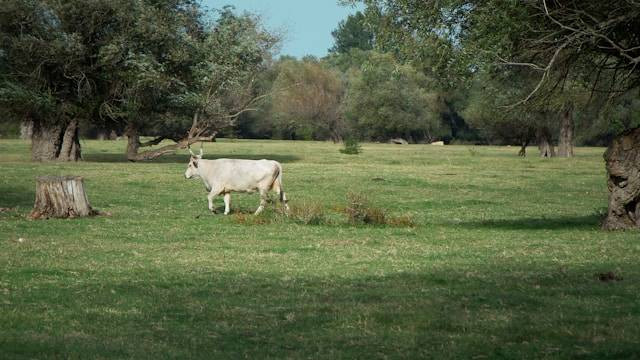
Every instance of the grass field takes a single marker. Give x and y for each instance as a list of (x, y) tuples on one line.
[(502, 261)]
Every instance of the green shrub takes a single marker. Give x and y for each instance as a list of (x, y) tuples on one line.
[(351, 147)]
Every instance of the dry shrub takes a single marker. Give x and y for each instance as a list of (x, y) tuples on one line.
[(359, 211), (308, 214), (401, 221)]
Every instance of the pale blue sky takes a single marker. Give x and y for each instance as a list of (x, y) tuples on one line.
[(307, 24)]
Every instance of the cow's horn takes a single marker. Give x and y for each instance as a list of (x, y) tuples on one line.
[(201, 149), (191, 152)]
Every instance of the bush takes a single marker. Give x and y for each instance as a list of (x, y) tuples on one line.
[(308, 214), (359, 211), (351, 147)]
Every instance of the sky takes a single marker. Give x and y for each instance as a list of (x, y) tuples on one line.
[(307, 24)]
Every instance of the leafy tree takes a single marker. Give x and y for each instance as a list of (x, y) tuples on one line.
[(307, 96), (48, 69), (204, 84), (386, 100), (156, 67), (352, 33)]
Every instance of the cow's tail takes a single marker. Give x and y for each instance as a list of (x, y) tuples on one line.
[(277, 186)]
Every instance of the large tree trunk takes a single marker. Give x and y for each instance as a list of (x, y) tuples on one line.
[(55, 142), (60, 197), (623, 168), (544, 143), (565, 143)]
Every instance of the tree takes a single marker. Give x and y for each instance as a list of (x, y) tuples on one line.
[(485, 110), (385, 100), (307, 95), (188, 80), (352, 33), (154, 67), (48, 68)]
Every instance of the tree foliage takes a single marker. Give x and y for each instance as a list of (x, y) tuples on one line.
[(352, 33), (386, 99), (149, 65), (306, 98)]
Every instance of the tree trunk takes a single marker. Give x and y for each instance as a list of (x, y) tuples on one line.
[(565, 143), (134, 145), (70, 148), (623, 169), (544, 143), (26, 129), (102, 135), (133, 142), (60, 197), (55, 142), (523, 148)]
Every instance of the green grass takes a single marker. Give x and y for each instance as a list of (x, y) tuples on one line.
[(502, 261)]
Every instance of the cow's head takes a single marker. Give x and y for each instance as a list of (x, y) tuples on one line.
[(192, 168)]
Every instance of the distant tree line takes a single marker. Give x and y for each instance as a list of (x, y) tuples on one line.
[(379, 83), (170, 70)]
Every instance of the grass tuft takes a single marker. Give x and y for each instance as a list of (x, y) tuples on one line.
[(308, 214), (401, 221), (359, 211)]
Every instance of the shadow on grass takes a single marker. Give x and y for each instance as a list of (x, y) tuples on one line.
[(490, 312), (588, 222), (180, 159), (12, 196)]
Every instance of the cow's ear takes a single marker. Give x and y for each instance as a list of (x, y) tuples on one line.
[(195, 163)]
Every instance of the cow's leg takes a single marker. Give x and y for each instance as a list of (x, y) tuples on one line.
[(281, 195), (264, 195), (213, 193), (283, 200), (227, 203)]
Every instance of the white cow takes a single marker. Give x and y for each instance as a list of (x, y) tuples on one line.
[(224, 176)]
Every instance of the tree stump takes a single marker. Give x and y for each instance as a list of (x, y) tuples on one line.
[(623, 169), (60, 197)]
